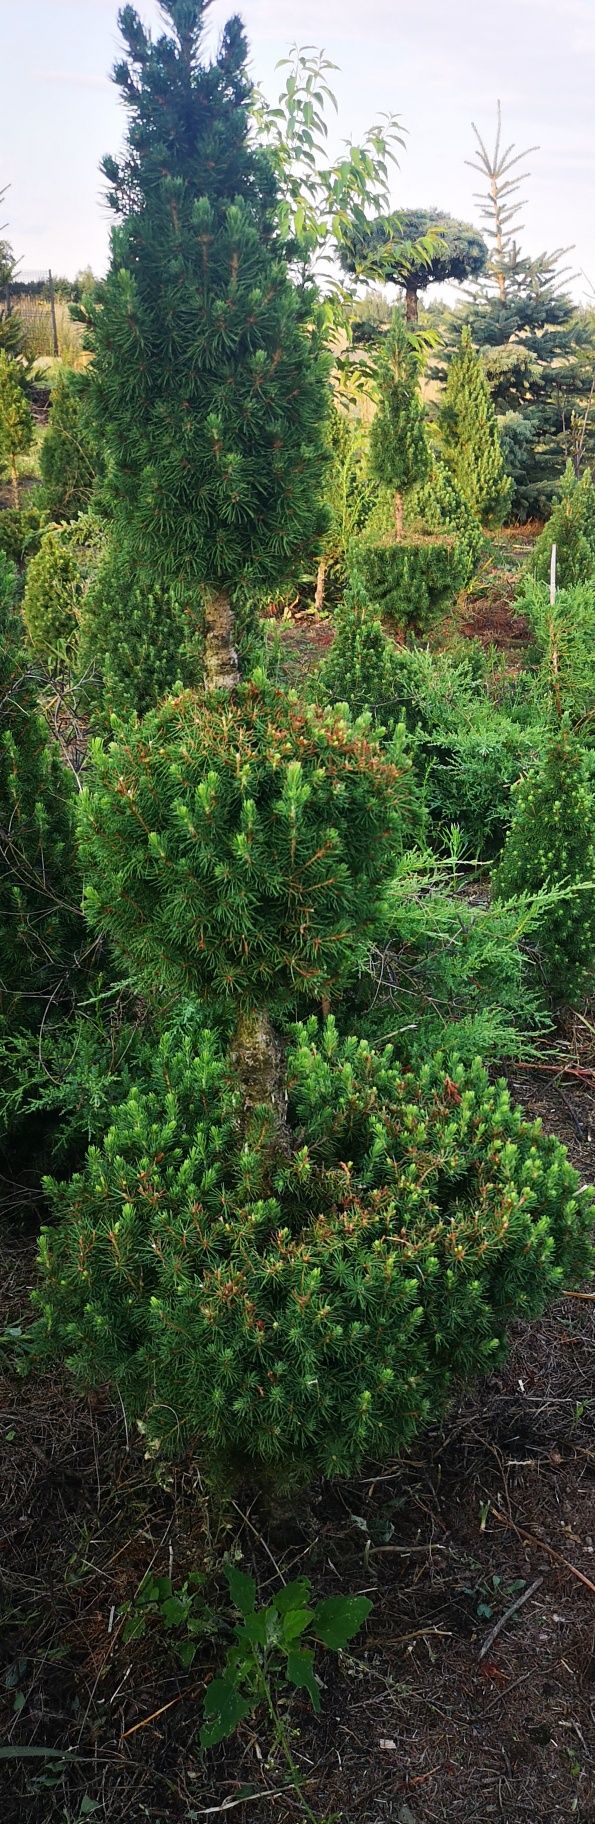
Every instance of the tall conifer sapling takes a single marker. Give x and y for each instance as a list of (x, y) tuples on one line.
[(209, 370)]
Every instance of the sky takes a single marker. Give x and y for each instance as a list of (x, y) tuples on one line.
[(437, 64)]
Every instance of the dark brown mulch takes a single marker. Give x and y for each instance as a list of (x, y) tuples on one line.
[(424, 1720)]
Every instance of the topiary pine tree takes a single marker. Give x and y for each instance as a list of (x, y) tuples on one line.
[(16, 419), (399, 449), (413, 248), (551, 843), (238, 852), (69, 458), (209, 377), (469, 436), (410, 575)]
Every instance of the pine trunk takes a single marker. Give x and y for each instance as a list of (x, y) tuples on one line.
[(399, 517), (221, 669), (14, 477), (320, 583), (258, 1056)]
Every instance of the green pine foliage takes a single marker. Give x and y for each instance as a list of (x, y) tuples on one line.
[(236, 848), (413, 248), (564, 633), (40, 923), (140, 637), (470, 438), (363, 667), (349, 496), (303, 1316), (20, 534), (537, 348), (209, 377), (466, 750), (69, 457), (16, 420), (411, 575), (452, 971), (440, 505), (571, 528), (57, 580), (413, 580), (552, 844), (399, 450)]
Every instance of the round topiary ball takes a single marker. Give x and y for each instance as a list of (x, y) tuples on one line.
[(237, 848)]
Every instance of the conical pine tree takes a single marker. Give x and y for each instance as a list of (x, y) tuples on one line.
[(399, 450), (551, 844), (470, 438), (16, 420), (209, 372)]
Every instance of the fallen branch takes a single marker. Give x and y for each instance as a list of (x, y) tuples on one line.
[(499, 1625), (589, 1297), (556, 1070)]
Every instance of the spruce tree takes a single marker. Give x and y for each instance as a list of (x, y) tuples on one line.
[(470, 439), (209, 375), (538, 349)]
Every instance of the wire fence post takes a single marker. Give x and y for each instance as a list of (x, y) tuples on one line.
[(55, 349)]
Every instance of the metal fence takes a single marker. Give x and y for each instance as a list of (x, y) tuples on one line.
[(42, 307)]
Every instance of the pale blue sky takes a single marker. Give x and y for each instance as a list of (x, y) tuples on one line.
[(437, 63)]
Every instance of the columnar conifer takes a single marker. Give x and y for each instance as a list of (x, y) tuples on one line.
[(209, 373), (470, 437)]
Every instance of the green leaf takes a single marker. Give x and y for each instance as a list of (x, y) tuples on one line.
[(296, 1622), (338, 1618), (293, 1595), (242, 1589), (300, 1672), (186, 1653), (174, 1611), (256, 1628), (223, 1710)]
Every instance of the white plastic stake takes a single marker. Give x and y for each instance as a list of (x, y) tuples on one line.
[(553, 575)]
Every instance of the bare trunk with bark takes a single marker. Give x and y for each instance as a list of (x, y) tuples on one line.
[(411, 305), (14, 478), (257, 1053), (399, 517), (320, 583), (221, 669), (258, 1056)]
